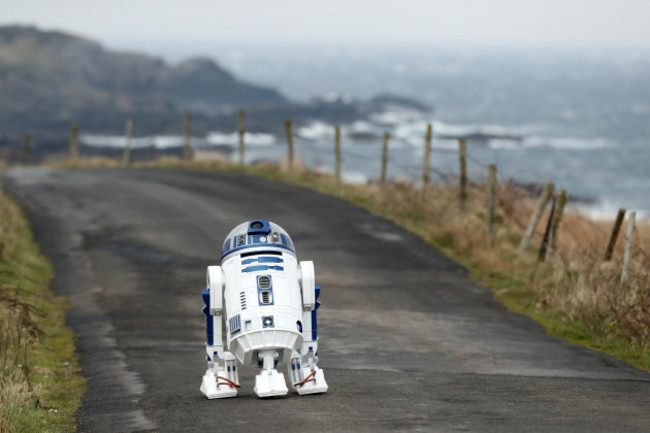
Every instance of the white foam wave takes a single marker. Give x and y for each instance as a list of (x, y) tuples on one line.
[(119, 141), (354, 177), (316, 131), (396, 116), (361, 126), (565, 143), (253, 138), (504, 143), (606, 211)]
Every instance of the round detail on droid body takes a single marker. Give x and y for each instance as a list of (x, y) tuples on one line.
[(267, 321)]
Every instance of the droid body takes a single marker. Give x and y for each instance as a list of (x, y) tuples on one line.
[(267, 301)]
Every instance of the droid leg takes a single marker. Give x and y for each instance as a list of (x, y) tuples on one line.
[(270, 382), (306, 377), (221, 378)]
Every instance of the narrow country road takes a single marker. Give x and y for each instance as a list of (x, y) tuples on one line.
[(408, 341)]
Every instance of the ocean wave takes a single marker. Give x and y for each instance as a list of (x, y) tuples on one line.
[(119, 141), (566, 143), (316, 131), (253, 138), (504, 143), (606, 211), (171, 141), (396, 116)]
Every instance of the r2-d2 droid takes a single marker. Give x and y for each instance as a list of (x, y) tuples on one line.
[(268, 302)]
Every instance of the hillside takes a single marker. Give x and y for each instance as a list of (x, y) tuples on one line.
[(51, 78)]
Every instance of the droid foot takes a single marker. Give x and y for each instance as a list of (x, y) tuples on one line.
[(270, 383), (218, 386), (313, 382)]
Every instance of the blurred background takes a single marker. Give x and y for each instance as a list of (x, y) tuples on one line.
[(549, 91)]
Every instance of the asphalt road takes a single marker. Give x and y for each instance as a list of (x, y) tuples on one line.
[(408, 341)]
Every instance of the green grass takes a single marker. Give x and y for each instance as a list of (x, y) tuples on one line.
[(517, 295), (40, 384)]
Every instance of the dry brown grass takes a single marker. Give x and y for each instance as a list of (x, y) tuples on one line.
[(576, 283)]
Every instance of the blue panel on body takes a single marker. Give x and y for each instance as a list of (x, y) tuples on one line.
[(266, 287), (262, 268), (262, 260), (314, 326), (209, 320), (271, 260), (206, 296)]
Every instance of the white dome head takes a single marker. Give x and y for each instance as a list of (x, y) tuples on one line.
[(256, 235)]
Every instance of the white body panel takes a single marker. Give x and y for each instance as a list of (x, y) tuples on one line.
[(242, 298)]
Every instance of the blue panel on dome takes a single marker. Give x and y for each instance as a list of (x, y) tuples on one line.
[(259, 227)]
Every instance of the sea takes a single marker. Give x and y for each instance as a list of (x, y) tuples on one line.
[(578, 117)]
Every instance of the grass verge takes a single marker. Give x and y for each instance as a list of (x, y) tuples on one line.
[(40, 384)]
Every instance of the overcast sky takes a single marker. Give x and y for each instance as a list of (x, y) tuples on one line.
[(353, 22)]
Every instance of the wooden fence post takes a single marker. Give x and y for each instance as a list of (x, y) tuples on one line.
[(462, 159), (74, 142), (614, 235), (24, 154), (491, 200), (241, 129), (384, 159), (337, 152), (187, 132), (537, 215), (126, 158), (555, 223), (289, 131), (543, 247), (629, 244), (426, 169)]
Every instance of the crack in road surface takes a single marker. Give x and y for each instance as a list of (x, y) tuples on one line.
[(408, 341)]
